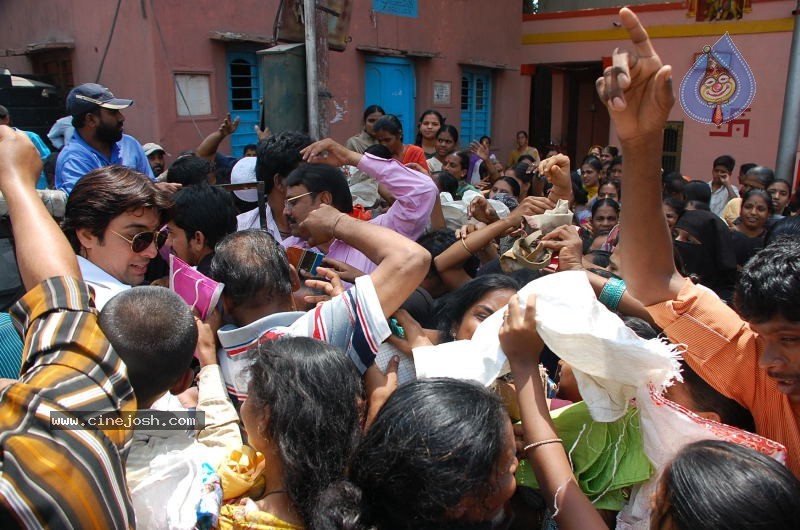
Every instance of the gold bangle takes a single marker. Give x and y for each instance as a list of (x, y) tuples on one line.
[(534, 445), (464, 242)]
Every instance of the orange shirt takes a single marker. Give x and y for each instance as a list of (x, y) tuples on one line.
[(414, 153), (724, 351)]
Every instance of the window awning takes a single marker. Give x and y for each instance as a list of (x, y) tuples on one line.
[(235, 36), (38, 47), (396, 52), (481, 63)]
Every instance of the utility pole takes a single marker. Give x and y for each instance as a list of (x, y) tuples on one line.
[(790, 122), (316, 34)]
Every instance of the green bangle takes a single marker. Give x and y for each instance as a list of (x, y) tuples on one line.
[(612, 293)]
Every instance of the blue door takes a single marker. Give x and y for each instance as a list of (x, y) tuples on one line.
[(476, 103), (244, 94), (390, 83)]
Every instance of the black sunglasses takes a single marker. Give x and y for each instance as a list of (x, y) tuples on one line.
[(141, 241)]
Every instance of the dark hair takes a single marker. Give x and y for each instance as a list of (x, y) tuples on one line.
[(108, 192), (153, 331), (322, 177), (725, 161), (760, 193), (450, 309), (642, 328), (311, 393), (612, 150), (616, 161), (79, 120), (418, 138), (769, 284), (189, 170), (713, 485), (612, 182), (521, 173), (279, 155), (447, 181), (747, 166), (708, 399), (49, 169), (222, 175), (249, 147), (764, 175), (3, 112), (697, 190), (437, 241), (253, 267), (581, 196), (371, 110), (526, 157), (523, 133), (515, 189), (675, 204), (463, 158), (788, 226), (379, 150), (673, 183), (389, 123), (484, 137), (449, 129), (207, 209), (605, 202), (593, 161), (435, 442)]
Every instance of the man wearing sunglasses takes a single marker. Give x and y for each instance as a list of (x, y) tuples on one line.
[(112, 220)]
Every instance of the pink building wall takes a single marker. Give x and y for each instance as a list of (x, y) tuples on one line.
[(767, 53), (136, 66)]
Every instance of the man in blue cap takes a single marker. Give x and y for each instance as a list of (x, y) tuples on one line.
[(99, 140)]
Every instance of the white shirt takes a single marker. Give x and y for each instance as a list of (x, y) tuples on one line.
[(719, 198), (104, 285), (248, 220)]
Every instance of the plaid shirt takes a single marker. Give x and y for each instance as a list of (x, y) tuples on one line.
[(71, 478)]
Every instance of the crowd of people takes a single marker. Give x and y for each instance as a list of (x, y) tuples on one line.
[(375, 358)]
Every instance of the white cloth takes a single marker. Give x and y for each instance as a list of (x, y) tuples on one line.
[(363, 188), (104, 285), (455, 211), (580, 330), (250, 219), (434, 164), (612, 366), (164, 467)]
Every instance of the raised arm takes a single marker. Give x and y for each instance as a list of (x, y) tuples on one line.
[(543, 448), (637, 90), (482, 152), (402, 264), (42, 250), (210, 144), (414, 192)]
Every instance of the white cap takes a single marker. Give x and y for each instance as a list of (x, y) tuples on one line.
[(244, 172), (150, 148)]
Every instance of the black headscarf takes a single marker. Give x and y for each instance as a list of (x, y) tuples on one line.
[(713, 260)]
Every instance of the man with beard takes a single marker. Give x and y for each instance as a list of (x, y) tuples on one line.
[(98, 140)]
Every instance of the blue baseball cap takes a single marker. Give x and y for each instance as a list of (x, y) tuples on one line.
[(89, 96)]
